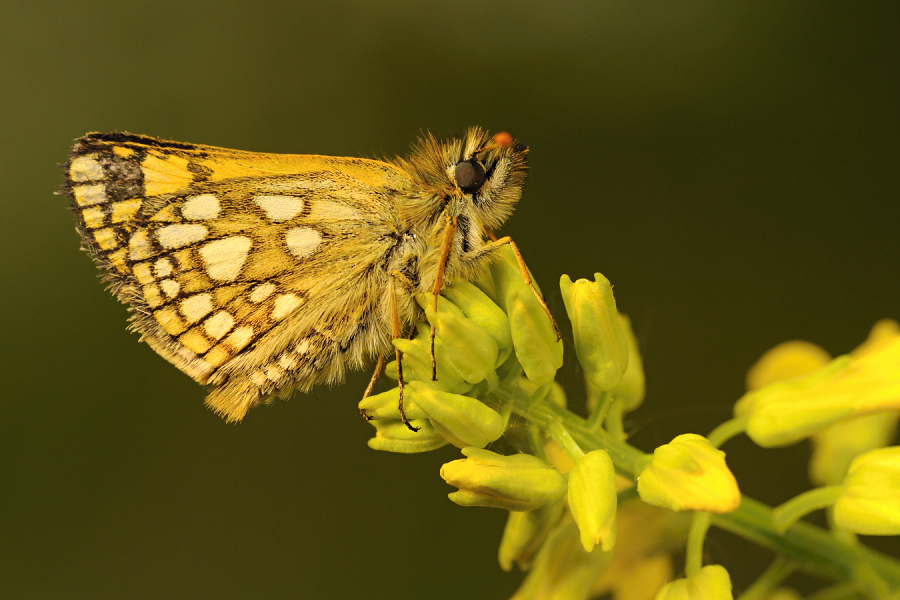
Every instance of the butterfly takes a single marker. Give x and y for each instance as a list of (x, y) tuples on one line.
[(260, 274)]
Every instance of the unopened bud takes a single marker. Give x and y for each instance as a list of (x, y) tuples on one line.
[(395, 436), (469, 349), (536, 346), (464, 421), (689, 473), (600, 341), (517, 482), (592, 499), (710, 583), (870, 502)]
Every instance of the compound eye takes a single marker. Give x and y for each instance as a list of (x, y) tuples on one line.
[(469, 176)]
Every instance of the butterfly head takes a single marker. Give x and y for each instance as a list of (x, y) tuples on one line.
[(481, 174)]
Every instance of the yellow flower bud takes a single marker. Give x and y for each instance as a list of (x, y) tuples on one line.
[(462, 420), (417, 363), (524, 533), (385, 406), (600, 342), (592, 499), (835, 447), (689, 473), (631, 388), (395, 436), (849, 386), (870, 502), (642, 561), (517, 482), (476, 305), (534, 339), (467, 347), (562, 569), (710, 583), (786, 361)]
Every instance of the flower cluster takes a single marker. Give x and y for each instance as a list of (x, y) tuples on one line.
[(591, 514)]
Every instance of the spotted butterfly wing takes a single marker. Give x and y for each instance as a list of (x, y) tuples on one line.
[(251, 271)]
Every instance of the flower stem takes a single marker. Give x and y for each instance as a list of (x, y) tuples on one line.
[(561, 436), (727, 430), (694, 558), (602, 403), (797, 507), (777, 572)]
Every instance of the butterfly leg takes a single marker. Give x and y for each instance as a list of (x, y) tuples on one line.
[(446, 243), (395, 333), (496, 243), (378, 366)]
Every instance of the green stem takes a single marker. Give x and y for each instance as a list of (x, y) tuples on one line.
[(811, 548), (839, 591), (614, 420), (777, 572), (799, 506), (602, 403), (727, 430), (558, 432), (693, 561)]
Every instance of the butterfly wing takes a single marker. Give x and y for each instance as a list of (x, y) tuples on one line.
[(258, 273)]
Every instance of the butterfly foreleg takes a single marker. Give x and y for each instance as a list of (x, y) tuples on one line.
[(397, 276), (446, 245), (378, 366)]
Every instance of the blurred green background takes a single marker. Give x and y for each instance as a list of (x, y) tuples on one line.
[(731, 167)]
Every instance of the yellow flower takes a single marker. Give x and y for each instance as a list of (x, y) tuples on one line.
[(689, 474), (462, 420), (642, 559), (835, 446), (524, 533), (786, 361), (600, 341), (562, 569), (865, 382), (632, 387), (592, 499), (870, 502), (517, 482), (711, 583)]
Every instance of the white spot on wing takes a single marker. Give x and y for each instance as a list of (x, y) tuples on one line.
[(139, 246), (163, 268), (205, 206), (261, 292), (302, 241), (224, 258), (86, 168), (178, 235), (88, 195), (219, 324), (170, 287), (302, 347), (285, 305), (196, 307), (280, 208), (240, 337)]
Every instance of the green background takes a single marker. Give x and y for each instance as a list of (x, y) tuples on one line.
[(732, 168)]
